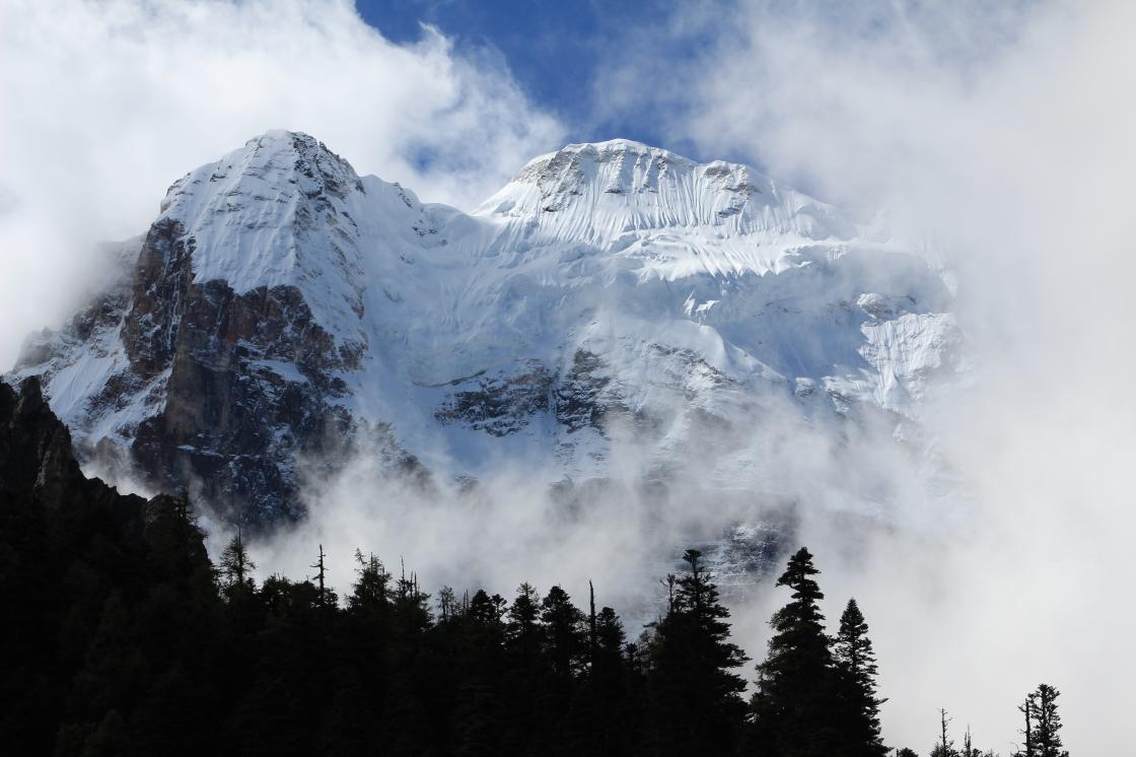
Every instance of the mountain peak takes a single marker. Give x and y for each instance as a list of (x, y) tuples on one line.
[(280, 303), (279, 211), (273, 157), (606, 150), (601, 190)]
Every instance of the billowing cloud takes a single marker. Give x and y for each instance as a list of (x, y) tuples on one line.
[(999, 134), (107, 103)]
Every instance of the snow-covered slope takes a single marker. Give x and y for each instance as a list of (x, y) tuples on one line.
[(611, 293)]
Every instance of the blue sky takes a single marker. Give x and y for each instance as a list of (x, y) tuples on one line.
[(562, 54), (552, 49)]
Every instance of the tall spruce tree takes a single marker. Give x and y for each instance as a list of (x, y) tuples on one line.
[(794, 707), (694, 703), (858, 719)]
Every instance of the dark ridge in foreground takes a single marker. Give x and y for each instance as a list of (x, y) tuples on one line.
[(122, 638)]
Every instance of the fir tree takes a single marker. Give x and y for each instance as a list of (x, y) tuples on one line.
[(1027, 708), (371, 592), (526, 673), (970, 750), (614, 716), (478, 715), (1046, 739), (235, 565), (795, 703), (859, 718), (326, 598), (411, 606), (944, 747), (564, 634), (523, 617), (694, 694)]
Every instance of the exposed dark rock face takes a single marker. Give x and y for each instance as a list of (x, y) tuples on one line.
[(249, 379), (500, 405), (586, 395), (581, 397), (232, 386)]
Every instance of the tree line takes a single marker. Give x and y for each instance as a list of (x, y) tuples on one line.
[(124, 639)]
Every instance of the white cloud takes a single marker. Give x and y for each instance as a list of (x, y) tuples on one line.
[(1002, 132), (106, 103)]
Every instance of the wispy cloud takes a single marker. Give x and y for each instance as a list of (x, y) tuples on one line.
[(107, 103), (1001, 134)]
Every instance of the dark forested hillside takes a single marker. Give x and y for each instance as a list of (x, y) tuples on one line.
[(122, 638)]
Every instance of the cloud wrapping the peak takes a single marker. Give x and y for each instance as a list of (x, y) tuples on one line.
[(107, 103), (999, 135)]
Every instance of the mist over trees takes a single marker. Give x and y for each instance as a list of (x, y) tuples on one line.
[(123, 638)]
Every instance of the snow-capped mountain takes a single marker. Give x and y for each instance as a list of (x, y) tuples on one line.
[(281, 305)]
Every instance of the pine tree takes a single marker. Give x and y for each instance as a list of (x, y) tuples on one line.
[(487, 609), (1046, 739), (478, 716), (1028, 708), (526, 673), (859, 718), (565, 638), (694, 704), (326, 598), (970, 750), (795, 703), (449, 608), (411, 606), (601, 720), (610, 689), (523, 616), (371, 592), (235, 564), (944, 747)]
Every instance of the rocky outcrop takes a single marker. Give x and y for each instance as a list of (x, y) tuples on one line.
[(224, 389), (249, 382), (580, 397), (41, 482), (36, 461)]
